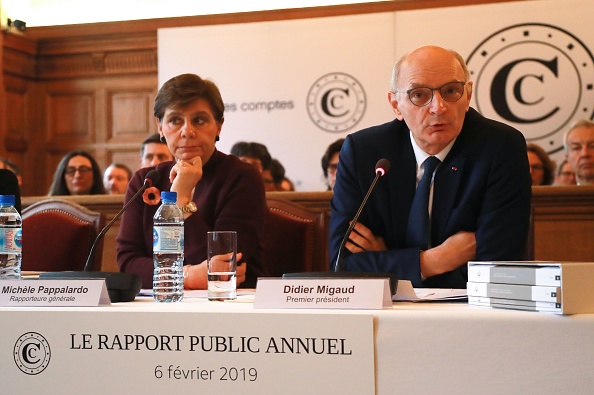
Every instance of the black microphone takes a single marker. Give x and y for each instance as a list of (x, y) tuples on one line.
[(381, 168), (121, 287)]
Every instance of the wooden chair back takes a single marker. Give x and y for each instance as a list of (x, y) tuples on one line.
[(58, 235), (295, 239)]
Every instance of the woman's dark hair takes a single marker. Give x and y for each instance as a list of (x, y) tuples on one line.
[(330, 151), (547, 164), (59, 187), (180, 91)]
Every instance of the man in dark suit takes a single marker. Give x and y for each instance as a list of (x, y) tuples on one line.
[(479, 201)]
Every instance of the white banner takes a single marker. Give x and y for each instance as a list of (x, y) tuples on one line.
[(298, 85), (531, 62), (184, 350), (295, 86)]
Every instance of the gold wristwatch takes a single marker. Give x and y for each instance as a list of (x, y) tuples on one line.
[(189, 208)]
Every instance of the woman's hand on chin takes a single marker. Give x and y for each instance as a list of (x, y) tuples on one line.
[(184, 176)]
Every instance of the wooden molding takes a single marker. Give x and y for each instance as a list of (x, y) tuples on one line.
[(151, 25)]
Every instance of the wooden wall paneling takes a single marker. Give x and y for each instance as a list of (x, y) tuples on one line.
[(16, 90), (563, 223), (131, 121), (70, 119), (565, 239), (129, 114), (107, 117), (2, 91), (17, 129), (123, 29)]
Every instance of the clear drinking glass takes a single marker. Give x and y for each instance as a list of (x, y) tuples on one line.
[(222, 265)]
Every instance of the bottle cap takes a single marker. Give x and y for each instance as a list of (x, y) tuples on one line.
[(9, 199), (169, 197)]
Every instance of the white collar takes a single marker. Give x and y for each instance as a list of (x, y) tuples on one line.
[(421, 155)]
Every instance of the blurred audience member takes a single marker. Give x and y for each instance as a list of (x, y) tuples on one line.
[(269, 184), (153, 151), (257, 155), (77, 174), (330, 162), (542, 168), (287, 185), (10, 165), (116, 178), (579, 147), (565, 176), (277, 172), (9, 185)]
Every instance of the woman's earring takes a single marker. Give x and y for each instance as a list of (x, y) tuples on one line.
[(217, 138), (162, 139)]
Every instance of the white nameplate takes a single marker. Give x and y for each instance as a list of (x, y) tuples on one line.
[(50, 292), (323, 293)]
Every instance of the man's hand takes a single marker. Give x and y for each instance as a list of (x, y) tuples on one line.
[(361, 239), (451, 254)]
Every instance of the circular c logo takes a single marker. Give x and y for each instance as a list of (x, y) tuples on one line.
[(535, 77), (336, 102), (32, 353)]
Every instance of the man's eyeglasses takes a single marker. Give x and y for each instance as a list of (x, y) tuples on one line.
[(450, 92), (70, 171)]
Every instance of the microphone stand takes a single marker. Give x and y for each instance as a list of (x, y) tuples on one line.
[(338, 263), (88, 264), (121, 287), (380, 169)]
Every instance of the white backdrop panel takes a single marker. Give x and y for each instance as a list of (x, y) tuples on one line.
[(542, 44), (530, 63), (277, 63)]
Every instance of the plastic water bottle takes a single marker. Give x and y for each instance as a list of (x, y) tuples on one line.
[(168, 250), (11, 238)]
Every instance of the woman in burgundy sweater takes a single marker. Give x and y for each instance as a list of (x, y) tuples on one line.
[(228, 194)]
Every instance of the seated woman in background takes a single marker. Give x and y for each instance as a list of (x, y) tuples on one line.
[(279, 179), (77, 174), (216, 191), (565, 174), (542, 168)]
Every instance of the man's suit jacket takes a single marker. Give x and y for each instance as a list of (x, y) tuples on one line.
[(482, 186)]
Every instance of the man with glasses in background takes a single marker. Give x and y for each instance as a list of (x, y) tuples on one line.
[(474, 201), (579, 147)]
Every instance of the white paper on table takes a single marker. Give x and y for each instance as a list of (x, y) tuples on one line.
[(201, 293), (406, 293)]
